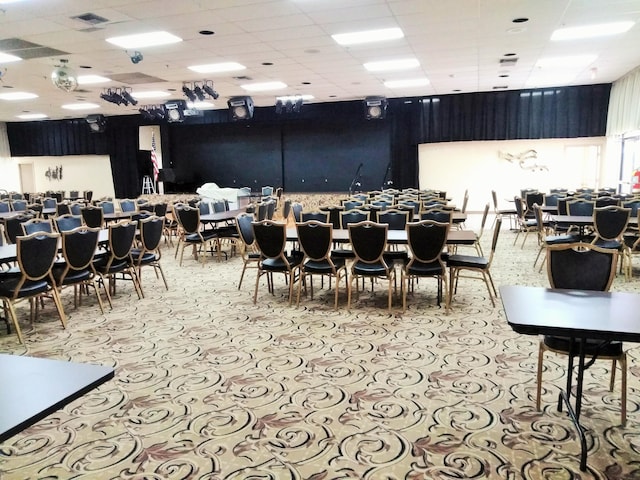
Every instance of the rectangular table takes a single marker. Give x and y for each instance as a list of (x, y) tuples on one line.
[(454, 237), (579, 315), (32, 388), (222, 216)]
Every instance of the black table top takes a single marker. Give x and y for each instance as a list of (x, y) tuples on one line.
[(572, 313), (32, 388)]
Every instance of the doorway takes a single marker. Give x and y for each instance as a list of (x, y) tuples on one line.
[(27, 178)]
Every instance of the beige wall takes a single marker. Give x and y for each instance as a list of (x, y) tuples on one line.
[(481, 167), (79, 172)]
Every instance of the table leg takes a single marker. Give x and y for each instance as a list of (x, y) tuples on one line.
[(565, 396)]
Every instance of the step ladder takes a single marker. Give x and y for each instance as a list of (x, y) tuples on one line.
[(147, 185)]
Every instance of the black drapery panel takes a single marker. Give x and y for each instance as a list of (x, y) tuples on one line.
[(567, 112)]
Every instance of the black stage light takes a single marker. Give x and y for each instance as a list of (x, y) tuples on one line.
[(174, 110), (297, 106), (127, 96), (278, 106), (136, 57), (97, 123), (375, 108), (208, 88), (188, 93), (240, 108), (199, 93)]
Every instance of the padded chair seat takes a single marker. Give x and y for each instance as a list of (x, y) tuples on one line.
[(393, 256), (148, 257), (29, 288), (368, 269), (612, 244), (469, 261), (195, 238), (563, 344), (342, 253), (278, 265), (116, 266), (425, 269), (558, 239), (322, 266), (629, 240), (73, 276)]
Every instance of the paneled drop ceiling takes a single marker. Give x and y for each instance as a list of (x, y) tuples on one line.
[(461, 46)]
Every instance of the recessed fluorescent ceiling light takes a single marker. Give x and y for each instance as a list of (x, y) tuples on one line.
[(368, 36), (17, 96), (389, 65), (415, 82), (89, 79), (6, 58), (590, 31), (261, 87), (80, 106), (32, 116), (566, 62), (150, 94), (142, 40), (217, 67)]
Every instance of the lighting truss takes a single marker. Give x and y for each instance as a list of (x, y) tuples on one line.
[(198, 91)]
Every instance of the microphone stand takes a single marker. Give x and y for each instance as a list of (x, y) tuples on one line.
[(356, 180), (386, 183)]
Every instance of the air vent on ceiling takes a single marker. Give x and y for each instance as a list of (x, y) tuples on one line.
[(90, 18), (500, 87), (27, 50), (134, 78), (508, 62)]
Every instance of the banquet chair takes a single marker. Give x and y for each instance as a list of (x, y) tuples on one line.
[(117, 259), (474, 264), (580, 207), (606, 201), (76, 208), (148, 254), (37, 225), (396, 220), (352, 204), (77, 270), (510, 213), (19, 205), (67, 222), (426, 240), (525, 225), (369, 242), (128, 205), (271, 239), (13, 227), (191, 233), (62, 209), (36, 254), (49, 202), (92, 217), (319, 216), (249, 250), (531, 199), (5, 206), (437, 214), (546, 237), (296, 209), (348, 217), (315, 240), (583, 266), (609, 225), (475, 243), (107, 206), (286, 210)]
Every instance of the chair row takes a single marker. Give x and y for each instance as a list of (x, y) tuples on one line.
[(40, 272), (369, 257)]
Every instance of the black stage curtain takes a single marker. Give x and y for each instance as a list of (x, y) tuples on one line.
[(324, 141)]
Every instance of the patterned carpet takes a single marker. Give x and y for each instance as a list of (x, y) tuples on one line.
[(209, 386)]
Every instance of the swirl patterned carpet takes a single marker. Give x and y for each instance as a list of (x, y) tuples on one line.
[(209, 386)]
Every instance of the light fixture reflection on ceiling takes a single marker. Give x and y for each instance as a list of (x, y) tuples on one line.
[(368, 36), (7, 58), (217, 67), (409, 83), (141, 40), (391, 65), (591, 31), (91, 79), (17, 96), (32, 116), (80, 106), (262, 87)]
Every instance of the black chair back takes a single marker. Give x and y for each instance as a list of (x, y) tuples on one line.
[(62, 209), (352, 216), (296, 208), (93, 217), (315, 239), (18, 205), (37, 225), (36, 254), (611, 222), (65, 223), (271, 238), (189, 218), (369, 241), (581, 266), (79, 247), (426, 240), (5, 206), (396, 219), (160, 209), (13, 226), (204, 208), (581, 207), (121, 237), (318, 216), (107, 206), (128, 205), (151, 232), (437, 215), (245, 228)]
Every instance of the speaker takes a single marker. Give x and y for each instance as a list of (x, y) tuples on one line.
[(174, 110), (97, 123), (167, 175), (240, 108), (375, 108)]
